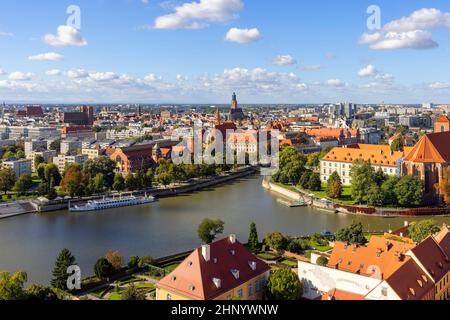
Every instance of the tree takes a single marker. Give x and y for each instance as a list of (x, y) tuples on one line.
[(419, 231), (52, 194), (40, 170), (397, 145), (315, 184), (276, 241), (7, 180), (99, 183), (284, 285), (253, 242), (164, 178), (133, 293), (133, 263), (362, 175), (409, 191), (313, 160), (304, 180), (374, 195), (103, 268), (64, 260), (23, 184), (38, 159), (131, 182), (72, 181), (37, 292), (12, 285), (322, 261), (209, 229), (119, 183), (51, 174), (100, 165), (146, 260), (115, 258), (388, 190), (353, 234), (55, 145), (334, 186)]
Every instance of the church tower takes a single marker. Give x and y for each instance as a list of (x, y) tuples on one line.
[(234, 102), (218, 119)]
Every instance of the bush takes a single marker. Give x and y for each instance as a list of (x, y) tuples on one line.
[(276, 241), (284, 285), (103, 268), (322, 261)]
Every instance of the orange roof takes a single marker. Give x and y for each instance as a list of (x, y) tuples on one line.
[(388, 255), (331, 132), (432, 148), (337, 294), (443, 119), (199, 279), (380, 155)]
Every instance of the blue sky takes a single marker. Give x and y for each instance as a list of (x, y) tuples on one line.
[(199, 51)]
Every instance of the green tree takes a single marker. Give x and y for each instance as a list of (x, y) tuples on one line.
[(37, 292), (374, 195), (7, 180), (322, 261), (52, 194), (284, 285), (103, 268), (131, 182), (253, 242), (133, 263), (164, 178), (51, 174), (100, 165), (12, 285), (38, 159), (388, 190), (313, 160), (362, 175), (315, 184), (209, 229), (23, 184), (419, 231), (304, 180), (99, 183), (119, 183), (397, 145), (64, 260), (56, 145), (409, 191), (353, 234), (276, 241), (133, 293), (334, 186)]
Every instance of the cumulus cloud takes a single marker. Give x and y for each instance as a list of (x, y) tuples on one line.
[(197, 14), (66, 36), (408, 32), (439, 86), (368, 71), (243, 35), (77, 73), (284, 60), (152, 78), (21, 76), (335, 83), (50, 56), (53, 72), (103, 76)]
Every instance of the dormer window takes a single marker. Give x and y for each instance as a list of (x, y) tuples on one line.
[(235, 273), (192, 288), (174, 278), (233, 252), (217, 283), (252, 265), (190, 263)]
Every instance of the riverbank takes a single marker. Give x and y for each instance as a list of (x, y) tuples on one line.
[(296, 194), (9, 210)]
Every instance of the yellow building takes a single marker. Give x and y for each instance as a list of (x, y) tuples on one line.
[(223, 270)]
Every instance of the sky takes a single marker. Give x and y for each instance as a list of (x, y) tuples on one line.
[(200, 51)]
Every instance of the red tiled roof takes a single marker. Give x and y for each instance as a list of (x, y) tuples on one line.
[(443, 119), (337, 294), (432, 148), (195, 276)]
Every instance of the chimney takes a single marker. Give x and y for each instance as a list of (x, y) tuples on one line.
[(406, 224), (233, 239), (206, 252)]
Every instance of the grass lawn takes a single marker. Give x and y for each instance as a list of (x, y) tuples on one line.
[(345, 199), (267, 256), (115, 296), (290, 263), (171, 267), (147, 286), (14, 197)]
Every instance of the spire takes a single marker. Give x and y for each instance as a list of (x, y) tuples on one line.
[(218, 121), (234, 102)]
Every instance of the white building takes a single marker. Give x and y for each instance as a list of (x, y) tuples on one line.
[(62, 161), (67, 146), (20, 167)]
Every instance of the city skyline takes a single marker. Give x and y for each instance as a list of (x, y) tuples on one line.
[(200, 51)]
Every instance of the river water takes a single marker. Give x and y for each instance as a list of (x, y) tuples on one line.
[(32, 242)]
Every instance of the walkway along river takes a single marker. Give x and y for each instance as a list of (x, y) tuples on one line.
[(32, 242)]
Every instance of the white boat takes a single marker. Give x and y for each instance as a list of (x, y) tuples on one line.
[(111, 203)]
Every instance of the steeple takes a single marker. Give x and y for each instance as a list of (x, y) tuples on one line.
[(218, 120), (234, 102)]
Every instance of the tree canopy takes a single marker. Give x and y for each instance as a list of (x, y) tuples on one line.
[(284, 285), (209, 229), (419, 231)]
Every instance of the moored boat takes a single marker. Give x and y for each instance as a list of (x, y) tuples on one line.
[(111, 203)]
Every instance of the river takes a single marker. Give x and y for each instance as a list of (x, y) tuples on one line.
[(32, 242)]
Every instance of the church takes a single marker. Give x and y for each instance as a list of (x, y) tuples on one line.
[(236, 113)]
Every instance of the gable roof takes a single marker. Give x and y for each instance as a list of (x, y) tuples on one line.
[(432, 258), (195, 276), (443, 119), (410, 282), (443, 240), (388, 255), (432, 148)]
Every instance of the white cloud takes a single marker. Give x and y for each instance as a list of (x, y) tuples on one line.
[(103, 76), (77, 73), (408, 32), (369, 71), (66, 36), (284, 60), (439, 86), (50, 56), (152, 78), (53, 72), (384, 77), (2, 72), (311, 67), (195, 15), (243, 35), (21, 76), (6, 34), (335, 83), (330, 56)]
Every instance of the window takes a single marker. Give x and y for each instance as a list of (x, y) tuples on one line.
[(168, 297), (384, 292), (250, 290), (240, 293)]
